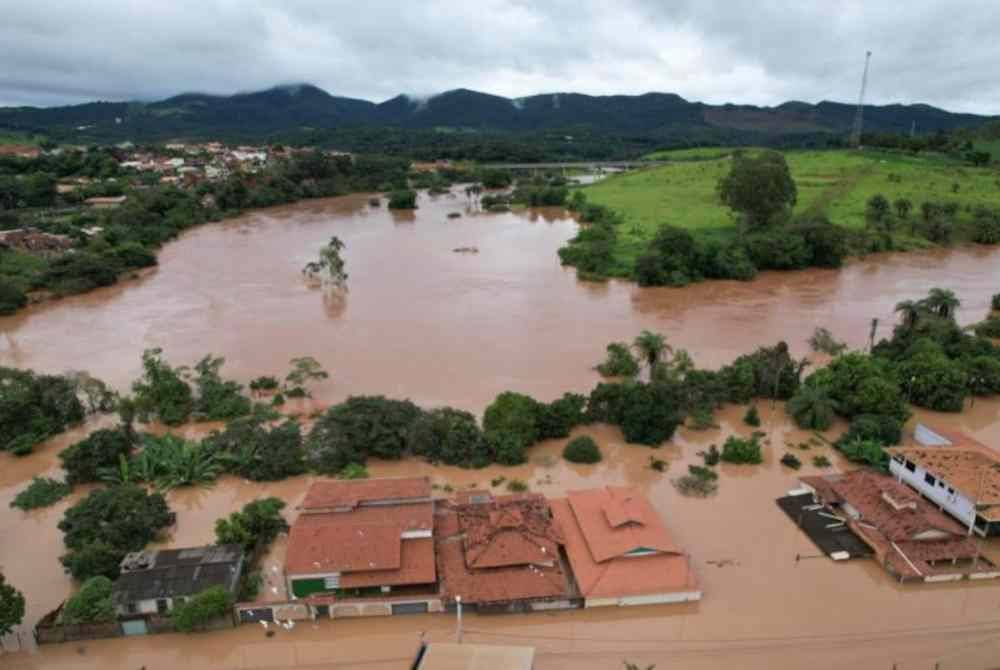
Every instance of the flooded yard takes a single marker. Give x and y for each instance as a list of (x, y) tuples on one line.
[(439, 327)]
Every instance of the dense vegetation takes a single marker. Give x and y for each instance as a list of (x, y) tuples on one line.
[(107, 524), (11, 606), (91, 604), (582, 449), (128, 237), (41, 492), (205, 607), (34, 407), (730, 215)]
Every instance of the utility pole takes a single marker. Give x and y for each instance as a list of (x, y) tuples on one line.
[(859, 115), (458, 632)]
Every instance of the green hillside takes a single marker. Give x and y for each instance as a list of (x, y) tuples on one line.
[(838, 182)]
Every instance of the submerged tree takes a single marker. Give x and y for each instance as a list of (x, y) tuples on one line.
[(651, 348), (11, 606), (329, 263)]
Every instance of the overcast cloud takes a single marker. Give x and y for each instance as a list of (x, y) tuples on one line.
[(745, 51)]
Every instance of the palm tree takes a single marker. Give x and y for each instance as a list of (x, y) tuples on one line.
[(650, 347), (910, 310), (812, 407), (942, 302)]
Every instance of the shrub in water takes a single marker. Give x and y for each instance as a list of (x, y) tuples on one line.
[(582, 449), (792, 461), (752, 418), (736, 450)]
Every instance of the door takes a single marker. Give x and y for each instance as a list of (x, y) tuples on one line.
[(409, 608), (134, 627)]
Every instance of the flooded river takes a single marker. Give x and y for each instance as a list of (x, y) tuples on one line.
[(439, 327)]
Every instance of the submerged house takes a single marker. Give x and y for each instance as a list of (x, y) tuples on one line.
[(153, 583), (910, 537), (620, 551), (364, 547), (502, 554), (955, 472)]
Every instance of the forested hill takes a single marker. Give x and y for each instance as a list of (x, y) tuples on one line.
[(304, 108)]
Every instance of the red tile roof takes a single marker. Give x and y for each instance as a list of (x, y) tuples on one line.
[(614, 521), (416, 566), (509, 531), (319, 544), (328, 494), (491, 584)]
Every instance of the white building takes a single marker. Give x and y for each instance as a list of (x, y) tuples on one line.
[(958, 474)]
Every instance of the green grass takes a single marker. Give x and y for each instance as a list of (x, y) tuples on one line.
[(695, 154), (838, 182), (20, 269)]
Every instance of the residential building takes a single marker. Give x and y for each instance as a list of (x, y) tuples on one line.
[(105, 202), (962, 480), (501, 554), (620, 551), (910, 537), (155, 582), (364, 539), (449, 656)]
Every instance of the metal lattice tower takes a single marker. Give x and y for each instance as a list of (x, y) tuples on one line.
[(859, 115)]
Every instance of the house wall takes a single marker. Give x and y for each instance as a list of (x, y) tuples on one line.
[(650, 599), (955, 503)]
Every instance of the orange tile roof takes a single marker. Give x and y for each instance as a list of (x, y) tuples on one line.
[(975, 472), (495, 584), (318, 544), (616, 520), (332, 493), (617, 575), (507, 532), (416, 566)]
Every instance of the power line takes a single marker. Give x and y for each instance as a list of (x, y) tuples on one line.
[(860, 113)]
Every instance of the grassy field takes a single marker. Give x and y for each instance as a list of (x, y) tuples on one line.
[(838, 182)]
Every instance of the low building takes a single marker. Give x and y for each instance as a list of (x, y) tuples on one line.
[(502, 554), (153, 583), (957, 473), (105, 202), (910, 537), (449, 656), (365, 541), (620, 551), (35, 242)]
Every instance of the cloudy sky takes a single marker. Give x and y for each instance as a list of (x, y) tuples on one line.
[(747, 51)]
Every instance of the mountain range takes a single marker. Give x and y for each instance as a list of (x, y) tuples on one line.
[(305, 107)]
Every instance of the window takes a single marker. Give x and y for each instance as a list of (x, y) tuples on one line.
[(951, 491), (929, 478), (897, 458), (911, 466), (162, 606), (941, 483), (332, 582), (132, 608)]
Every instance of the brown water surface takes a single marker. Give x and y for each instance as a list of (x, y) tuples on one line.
[(446, 328)]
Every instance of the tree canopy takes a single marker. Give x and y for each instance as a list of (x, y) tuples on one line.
[(759, 187)]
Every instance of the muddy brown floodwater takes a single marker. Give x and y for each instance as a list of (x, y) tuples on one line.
[(446, 328)]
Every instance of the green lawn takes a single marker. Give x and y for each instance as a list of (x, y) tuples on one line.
[(838, 182), (695, 154)]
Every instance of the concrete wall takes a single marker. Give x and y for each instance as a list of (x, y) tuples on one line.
[(651, 599)]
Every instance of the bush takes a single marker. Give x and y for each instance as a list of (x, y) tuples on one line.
[(557, 418), (41, 492), (995, 302), (989, 328), (251, 450), (515, 415), (878, 427), (406, 199), (934, 381), (752, 417), (712, 456), (869, 452), (107, 524), (646, 413), (35, 407), (11, 298), (821, 461), (353, 471), (812, 408), (620, 362), (358, 428), (658, 464), (84, 461), (217, 399), (450, 436), (703, 418), (210, 604), (517, 486), (700, 482), (91, 604), (254, 527), (792, 461), (822, 340), (80, 271), (737, 450), (161, 392), (134, 255), (582, 449)]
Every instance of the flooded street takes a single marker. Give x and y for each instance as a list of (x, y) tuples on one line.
[(447, 328)]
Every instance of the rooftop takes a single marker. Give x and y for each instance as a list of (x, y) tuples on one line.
[(337, 493), (975, 472), (364, 539), (601, 526), (177, 572)]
